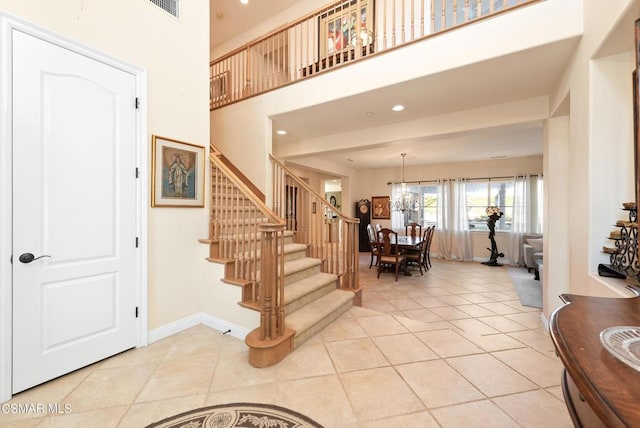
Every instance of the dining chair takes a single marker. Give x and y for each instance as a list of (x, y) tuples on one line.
[(373, 242), (418, 256), (378, 228), (427, 253), (413, 229), (388, 253)]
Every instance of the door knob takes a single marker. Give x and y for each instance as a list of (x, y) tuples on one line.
[(28, 257)]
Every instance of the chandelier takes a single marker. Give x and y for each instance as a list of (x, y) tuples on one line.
[(405, 198)]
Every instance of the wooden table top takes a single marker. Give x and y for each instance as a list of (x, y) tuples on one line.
[(610, 387)]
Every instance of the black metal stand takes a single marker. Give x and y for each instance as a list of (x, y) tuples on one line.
[(624, 261)]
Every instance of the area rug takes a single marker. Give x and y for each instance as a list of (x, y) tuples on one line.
[(528, 289), (238, 415)]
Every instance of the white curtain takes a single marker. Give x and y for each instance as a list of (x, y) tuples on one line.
[(454, 238), (521, 216)]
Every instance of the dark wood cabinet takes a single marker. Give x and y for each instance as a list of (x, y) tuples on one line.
[(599, 389), (363, 212)]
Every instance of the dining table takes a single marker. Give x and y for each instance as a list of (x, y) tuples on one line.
[(407, 242)]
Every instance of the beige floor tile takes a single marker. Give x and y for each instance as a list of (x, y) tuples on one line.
[(437, 291), (53, 391), (535, 340), (104, 418), (479, 414), (328, 405), (110, 387), (494, 342), (499, 308), (355, 354), (527, 319), (296, 365), (541, 369), (143, 414), (497, 296), (422, 315), (454, 300), (267, 393), (430, 302), (357, 312), (477, 298), (521, 308), (414, 325), (437, 384), (414, 420), (475, 311), (490, 375), (556, 391), (132, 357), (535, 409), (448, 343), (234, 371), (178, 378), (381, 306), (449, 313), (473, 326), (381, 325), (23, 423), (405, 303), (404, 348), (379, 393), (502, 324)]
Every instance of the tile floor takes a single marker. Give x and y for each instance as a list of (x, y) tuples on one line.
[(452, 348)]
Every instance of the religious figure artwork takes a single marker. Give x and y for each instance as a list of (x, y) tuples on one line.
[(494, 215), (341, 26), (178, 173)]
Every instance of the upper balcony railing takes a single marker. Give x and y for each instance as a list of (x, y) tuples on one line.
[(336, 35)]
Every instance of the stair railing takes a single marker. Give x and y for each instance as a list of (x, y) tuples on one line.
[(248, 238), (329, 235)]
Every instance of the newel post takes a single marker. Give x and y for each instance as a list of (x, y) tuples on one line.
[(271, 341)]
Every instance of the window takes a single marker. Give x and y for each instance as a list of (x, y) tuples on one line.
[(483, 194), (414, 203)]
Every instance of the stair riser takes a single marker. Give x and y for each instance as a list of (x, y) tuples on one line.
[(297, 276), (316, 294), (303, 336)]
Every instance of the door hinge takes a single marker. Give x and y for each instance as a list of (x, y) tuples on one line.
[(137, 173), (137, 102), (137, 242), (137, 312)]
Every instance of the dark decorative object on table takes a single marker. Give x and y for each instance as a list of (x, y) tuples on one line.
[(494, 214)]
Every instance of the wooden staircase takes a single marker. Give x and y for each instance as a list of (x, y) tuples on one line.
[(256, 249)]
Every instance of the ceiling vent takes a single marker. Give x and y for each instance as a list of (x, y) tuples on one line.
[(170, 6)]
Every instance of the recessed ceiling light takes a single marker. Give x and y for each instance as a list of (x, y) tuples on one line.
[(398, 107), (244, 1), (281, 132), (369, 113)]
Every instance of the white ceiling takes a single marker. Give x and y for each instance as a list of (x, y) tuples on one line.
[(229, 17), (518, 76)]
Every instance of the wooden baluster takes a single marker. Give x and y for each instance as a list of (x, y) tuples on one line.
[(413, 27)]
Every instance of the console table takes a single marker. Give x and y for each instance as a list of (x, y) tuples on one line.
[(599, 390)]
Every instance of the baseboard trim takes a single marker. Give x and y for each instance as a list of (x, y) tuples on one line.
[(193, 320), (223, 326), (544, 321)]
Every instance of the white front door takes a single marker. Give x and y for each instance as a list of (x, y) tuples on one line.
[(74, 205)]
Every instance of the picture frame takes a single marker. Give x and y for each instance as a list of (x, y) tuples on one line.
[(177, 171), (380, 208), (338, 27)]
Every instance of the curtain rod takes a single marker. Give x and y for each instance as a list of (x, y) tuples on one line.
[(475, 178)]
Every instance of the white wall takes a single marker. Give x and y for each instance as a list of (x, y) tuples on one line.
[(240, 132), (597, 182), (145, 36)]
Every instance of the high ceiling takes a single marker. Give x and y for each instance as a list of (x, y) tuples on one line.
[(230, 17), (519, 76)]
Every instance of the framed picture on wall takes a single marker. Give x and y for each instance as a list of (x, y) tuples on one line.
[(380, 208), (177, 173), (339, 28)]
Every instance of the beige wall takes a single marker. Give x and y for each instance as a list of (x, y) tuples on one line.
[(174, 52), (594, 180)]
